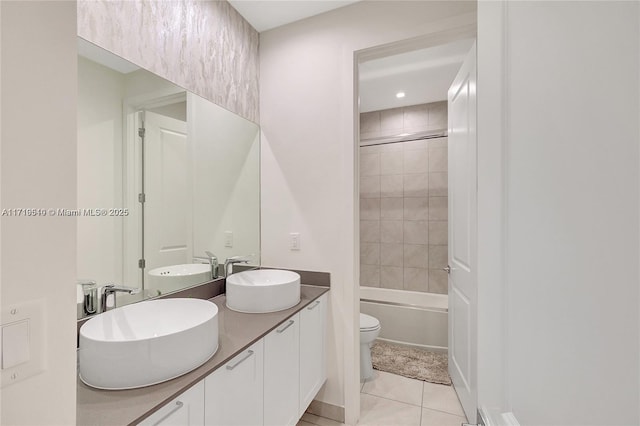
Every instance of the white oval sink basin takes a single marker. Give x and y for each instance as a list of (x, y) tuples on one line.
[(147, 343), (170, 278), (187, 269), (263, 290)]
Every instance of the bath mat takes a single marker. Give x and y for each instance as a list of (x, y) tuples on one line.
[(410, 362)]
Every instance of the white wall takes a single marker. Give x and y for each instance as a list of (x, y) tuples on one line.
[(308, 153), (101, 171), (568, 336), (226, 176), (38, 163), (100, 95)]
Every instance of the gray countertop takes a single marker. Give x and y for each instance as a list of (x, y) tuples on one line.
[(237, 331)]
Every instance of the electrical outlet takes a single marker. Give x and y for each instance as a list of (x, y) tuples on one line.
[(228, 239), (294, 241)]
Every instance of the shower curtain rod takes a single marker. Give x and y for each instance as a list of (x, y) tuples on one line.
[(405, 138)]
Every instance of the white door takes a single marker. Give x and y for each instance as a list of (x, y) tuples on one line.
[(462, 235), (167, 210)]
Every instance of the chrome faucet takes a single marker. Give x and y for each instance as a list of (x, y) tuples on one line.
[(90, 297), (113, 289), (228, 264), (212, 260)]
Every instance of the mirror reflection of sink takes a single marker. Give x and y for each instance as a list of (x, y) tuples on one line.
[(263, 290), (147, 343), (170, 278)]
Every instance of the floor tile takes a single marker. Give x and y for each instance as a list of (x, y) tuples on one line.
[(376, 411), (397, 388), (319, 421), (439, 418), (442, 398)]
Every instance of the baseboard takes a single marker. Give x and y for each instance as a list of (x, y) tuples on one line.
[(329, 411), (495, 418)]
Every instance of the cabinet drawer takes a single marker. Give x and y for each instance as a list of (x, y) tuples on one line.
[(186, 410)]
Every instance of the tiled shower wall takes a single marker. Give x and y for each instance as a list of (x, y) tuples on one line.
[(403, 202)]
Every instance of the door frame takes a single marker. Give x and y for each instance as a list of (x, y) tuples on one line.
[(463, 31), (492, 172), (131, 157)]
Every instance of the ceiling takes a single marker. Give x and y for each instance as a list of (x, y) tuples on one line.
[(264, 15), (423, 75)]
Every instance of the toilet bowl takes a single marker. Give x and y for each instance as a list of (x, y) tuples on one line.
[(369, 330)]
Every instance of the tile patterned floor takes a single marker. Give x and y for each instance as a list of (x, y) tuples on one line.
[(391, 400)]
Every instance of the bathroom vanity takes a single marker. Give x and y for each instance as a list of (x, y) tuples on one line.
[(266, 371), (268, 365)]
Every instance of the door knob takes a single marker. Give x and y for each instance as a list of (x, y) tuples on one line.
[(447, 269)]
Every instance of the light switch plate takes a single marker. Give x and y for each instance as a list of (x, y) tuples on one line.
[(294, 241), (228, 239), (15, 343), (20, 361)]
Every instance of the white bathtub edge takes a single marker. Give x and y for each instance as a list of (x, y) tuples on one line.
[(415, 299)]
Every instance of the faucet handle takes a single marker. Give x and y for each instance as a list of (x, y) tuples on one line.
[(89, 296), (212, 259), (112, 288), (228, 264), (240, 259), (87, 283)]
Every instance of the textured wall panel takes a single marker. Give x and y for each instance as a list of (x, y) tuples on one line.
[(204, 46)]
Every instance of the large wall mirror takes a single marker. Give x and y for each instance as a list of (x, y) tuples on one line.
[(165, 180)]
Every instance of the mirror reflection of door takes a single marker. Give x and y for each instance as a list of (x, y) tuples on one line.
[(202, 179), (167, 194)]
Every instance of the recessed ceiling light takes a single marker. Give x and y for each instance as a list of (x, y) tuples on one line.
[(400, 95)]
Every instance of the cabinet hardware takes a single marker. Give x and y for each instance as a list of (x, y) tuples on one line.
[(179, 405), (289, 324), (314, 306), (244, 358)]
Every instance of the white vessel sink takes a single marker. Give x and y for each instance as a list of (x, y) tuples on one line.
[(263, 290), (175, 277), (147, 343)]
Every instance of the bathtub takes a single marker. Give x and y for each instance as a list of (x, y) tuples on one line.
[(408, 317)]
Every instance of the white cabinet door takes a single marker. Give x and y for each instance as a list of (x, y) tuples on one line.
[(313, 372), (281, 373), (185, 410), (234, 392)]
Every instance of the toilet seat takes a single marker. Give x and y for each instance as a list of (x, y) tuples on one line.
[(368, 323)]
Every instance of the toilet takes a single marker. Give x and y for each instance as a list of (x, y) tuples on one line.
[(369, 330)]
